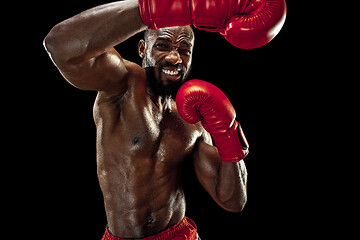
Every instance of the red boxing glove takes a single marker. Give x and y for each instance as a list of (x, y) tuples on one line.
[(196, 101), (165, 13), (245, 24)]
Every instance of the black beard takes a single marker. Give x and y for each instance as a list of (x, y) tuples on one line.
[(158, 87)]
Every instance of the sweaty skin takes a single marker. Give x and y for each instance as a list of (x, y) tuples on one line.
[(141, 139)]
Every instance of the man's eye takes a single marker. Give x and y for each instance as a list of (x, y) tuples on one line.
[(185, 51), (161, 46)]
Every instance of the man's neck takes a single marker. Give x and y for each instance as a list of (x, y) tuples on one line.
[(163, 103)]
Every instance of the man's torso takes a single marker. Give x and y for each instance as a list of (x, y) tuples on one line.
[(139, 155)]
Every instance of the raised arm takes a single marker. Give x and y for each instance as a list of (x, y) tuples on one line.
[(82, 46)]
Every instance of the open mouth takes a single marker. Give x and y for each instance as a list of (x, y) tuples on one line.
[(172, 73)]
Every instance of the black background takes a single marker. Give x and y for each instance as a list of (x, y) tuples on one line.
[(52, 186)]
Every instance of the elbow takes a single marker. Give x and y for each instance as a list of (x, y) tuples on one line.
[(235, 204), (51, 43), (238, 207), (58, 46), (241, 206)]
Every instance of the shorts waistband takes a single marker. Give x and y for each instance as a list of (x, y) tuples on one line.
[(185, 229)]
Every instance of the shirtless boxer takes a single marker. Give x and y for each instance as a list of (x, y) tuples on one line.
[(142, 140)]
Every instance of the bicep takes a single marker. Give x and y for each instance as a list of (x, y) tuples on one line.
[(105, 72)]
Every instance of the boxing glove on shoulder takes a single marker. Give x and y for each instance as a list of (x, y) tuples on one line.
[(198, 100)]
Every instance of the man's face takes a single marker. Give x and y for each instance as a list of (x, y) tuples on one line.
[(167, 55)]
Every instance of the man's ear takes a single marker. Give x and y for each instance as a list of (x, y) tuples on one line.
[(141, 48)]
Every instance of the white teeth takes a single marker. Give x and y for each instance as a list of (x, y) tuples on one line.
[(170, 72)]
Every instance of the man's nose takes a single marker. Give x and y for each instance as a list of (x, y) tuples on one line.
[(173, 57)]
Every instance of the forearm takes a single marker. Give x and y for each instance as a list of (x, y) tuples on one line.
[(93, 31), (231, 186)]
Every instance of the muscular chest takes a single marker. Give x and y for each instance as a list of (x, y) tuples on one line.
[(166, 137), (136, 133)]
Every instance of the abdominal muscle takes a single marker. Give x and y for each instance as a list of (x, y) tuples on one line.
[(141, 204)]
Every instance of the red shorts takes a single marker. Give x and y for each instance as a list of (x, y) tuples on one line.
[(184, 230)]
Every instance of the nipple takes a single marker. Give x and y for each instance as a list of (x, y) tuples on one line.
[(135, 140), (149, 221)]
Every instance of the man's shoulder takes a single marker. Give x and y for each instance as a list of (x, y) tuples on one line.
[(135, 72), (134, 91), (134, 76)]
